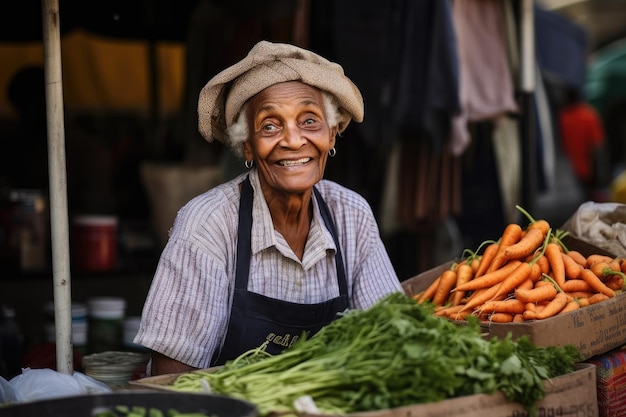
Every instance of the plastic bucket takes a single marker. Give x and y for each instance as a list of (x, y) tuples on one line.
[(106, 316), (94, 243)]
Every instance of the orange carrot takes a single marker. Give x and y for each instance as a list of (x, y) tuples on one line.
[(596, 257), (527, 285), (543, 263), (429, 292), (553, 253), (530, 306), (581, 294), (501, 317), (575, 285), (535, 272), (541, 293), (445, 311), (515, 278), (541, 224), (596, 283), (572, 268), (485, 260), (459, 315), (464, 273), (503, 306), (570, 306), (526, 246), (615, 265), (554, 307), (578, 257), (597, 297), (584, 301), (518, 318), (615, 282), (529, 315), (511, 235), (601, 269), (490, 278), (448, 279), (482, 296), (474, 264)]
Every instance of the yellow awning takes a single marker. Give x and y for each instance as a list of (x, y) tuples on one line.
[(102, 73)]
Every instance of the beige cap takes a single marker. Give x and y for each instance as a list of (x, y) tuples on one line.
[(267, 64)]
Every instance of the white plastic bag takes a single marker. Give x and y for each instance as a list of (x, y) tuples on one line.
[(7, 393), (37, 384)]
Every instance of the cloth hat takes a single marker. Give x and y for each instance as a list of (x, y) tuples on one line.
[(267, 64)]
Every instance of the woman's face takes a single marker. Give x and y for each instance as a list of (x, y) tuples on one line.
[(290, 138)]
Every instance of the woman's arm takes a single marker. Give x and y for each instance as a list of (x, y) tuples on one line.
[(161, 364)]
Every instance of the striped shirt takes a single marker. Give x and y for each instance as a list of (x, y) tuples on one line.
[(186, 312)]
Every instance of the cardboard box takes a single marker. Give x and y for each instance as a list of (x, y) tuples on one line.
[(594, 330), (159, 382), (573, 394)]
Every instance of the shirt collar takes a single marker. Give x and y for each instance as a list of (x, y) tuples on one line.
[(265, 236)]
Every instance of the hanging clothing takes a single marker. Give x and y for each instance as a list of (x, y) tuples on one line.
[(256, 319), (486, 86), (426, 97), (562, 51)]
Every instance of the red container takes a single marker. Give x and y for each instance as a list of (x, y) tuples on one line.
[(94, 243)]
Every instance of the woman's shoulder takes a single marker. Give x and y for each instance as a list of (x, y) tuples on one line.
[(339, 196)]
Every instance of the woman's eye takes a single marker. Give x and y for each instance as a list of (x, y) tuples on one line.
[(269, 127), (310, 122)]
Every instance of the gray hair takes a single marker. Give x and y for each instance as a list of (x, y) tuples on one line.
[(239, 131)]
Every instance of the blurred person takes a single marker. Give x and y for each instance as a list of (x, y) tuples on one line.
[(24, 156), (277, 251), (583, 141)]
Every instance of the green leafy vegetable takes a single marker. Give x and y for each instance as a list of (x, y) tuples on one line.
[(396, 353)]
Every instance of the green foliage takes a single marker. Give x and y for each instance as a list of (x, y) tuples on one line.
[(396, 353)]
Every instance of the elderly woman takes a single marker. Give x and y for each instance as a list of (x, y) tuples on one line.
[(278, 251)]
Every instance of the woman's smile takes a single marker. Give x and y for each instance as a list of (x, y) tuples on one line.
[(292, 163)]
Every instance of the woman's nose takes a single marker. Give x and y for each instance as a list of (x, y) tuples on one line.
[(294, 136)]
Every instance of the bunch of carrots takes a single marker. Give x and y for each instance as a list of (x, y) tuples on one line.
[(528, 274)]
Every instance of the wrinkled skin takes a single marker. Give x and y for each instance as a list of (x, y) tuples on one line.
[(289, 143)]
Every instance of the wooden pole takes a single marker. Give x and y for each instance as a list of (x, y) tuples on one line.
[(57, 186)]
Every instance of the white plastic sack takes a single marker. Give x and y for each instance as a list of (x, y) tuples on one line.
[(601, 224), (38, 384), (7, 393)]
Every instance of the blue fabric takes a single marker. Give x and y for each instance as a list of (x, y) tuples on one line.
[(561, 47)]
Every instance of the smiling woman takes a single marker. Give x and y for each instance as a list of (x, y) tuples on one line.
[(278, 252), (101, 73)]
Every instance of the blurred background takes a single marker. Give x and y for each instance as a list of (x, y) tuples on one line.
[(453, 136)]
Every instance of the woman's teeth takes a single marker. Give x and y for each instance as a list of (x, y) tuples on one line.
[(292, 163)]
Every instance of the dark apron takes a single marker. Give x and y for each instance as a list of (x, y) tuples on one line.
[(255, 318)]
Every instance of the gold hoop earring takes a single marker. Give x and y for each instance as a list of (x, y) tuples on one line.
[(332, 152), (248, 164)]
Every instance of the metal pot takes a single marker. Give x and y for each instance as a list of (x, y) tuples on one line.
[(84, 406)]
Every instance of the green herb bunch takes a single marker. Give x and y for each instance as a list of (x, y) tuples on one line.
[(394, 354)]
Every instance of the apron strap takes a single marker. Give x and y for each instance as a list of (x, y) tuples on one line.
[(244, 245), (330, 225), (244, 239)]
